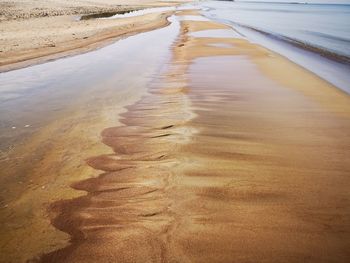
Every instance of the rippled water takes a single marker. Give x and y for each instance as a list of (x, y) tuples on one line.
[(322, 26), (315, 36), (32, 96)]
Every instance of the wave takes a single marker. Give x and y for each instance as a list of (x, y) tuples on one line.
[(298, 43), (330, 37)]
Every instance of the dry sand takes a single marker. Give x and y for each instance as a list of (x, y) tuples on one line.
[(36, 31), (24, 9), (234, 155)]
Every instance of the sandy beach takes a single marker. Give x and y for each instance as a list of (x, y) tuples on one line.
[(223, 152), (26, 38)]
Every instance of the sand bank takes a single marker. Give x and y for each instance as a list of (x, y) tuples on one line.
[(223, 160)]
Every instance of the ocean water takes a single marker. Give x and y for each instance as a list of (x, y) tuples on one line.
[(322, 26), (315, 36)]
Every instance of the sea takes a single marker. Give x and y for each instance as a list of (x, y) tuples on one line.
[(315, 36)]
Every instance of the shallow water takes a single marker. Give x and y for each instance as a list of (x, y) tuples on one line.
[(274, 25), (146, 11), (143, 12), (104, 15), (31, 97), (332, 71), (324, 26), (127, 13)]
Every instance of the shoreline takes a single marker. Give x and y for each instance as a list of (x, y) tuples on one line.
[(41, 168), (230, 144), (166, 176), (329, 61), (29, 57)]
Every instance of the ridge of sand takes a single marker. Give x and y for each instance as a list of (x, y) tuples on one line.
[(217, 162)]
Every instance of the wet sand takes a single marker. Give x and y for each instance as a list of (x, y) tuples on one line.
[(66, 103), (218, 163), (234, 154)]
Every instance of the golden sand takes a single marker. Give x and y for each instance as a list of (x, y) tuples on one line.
[(218, 163), (234, 155)]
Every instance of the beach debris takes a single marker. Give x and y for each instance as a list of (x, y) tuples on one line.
[(26, 126), (13, 127), (43, 187)]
